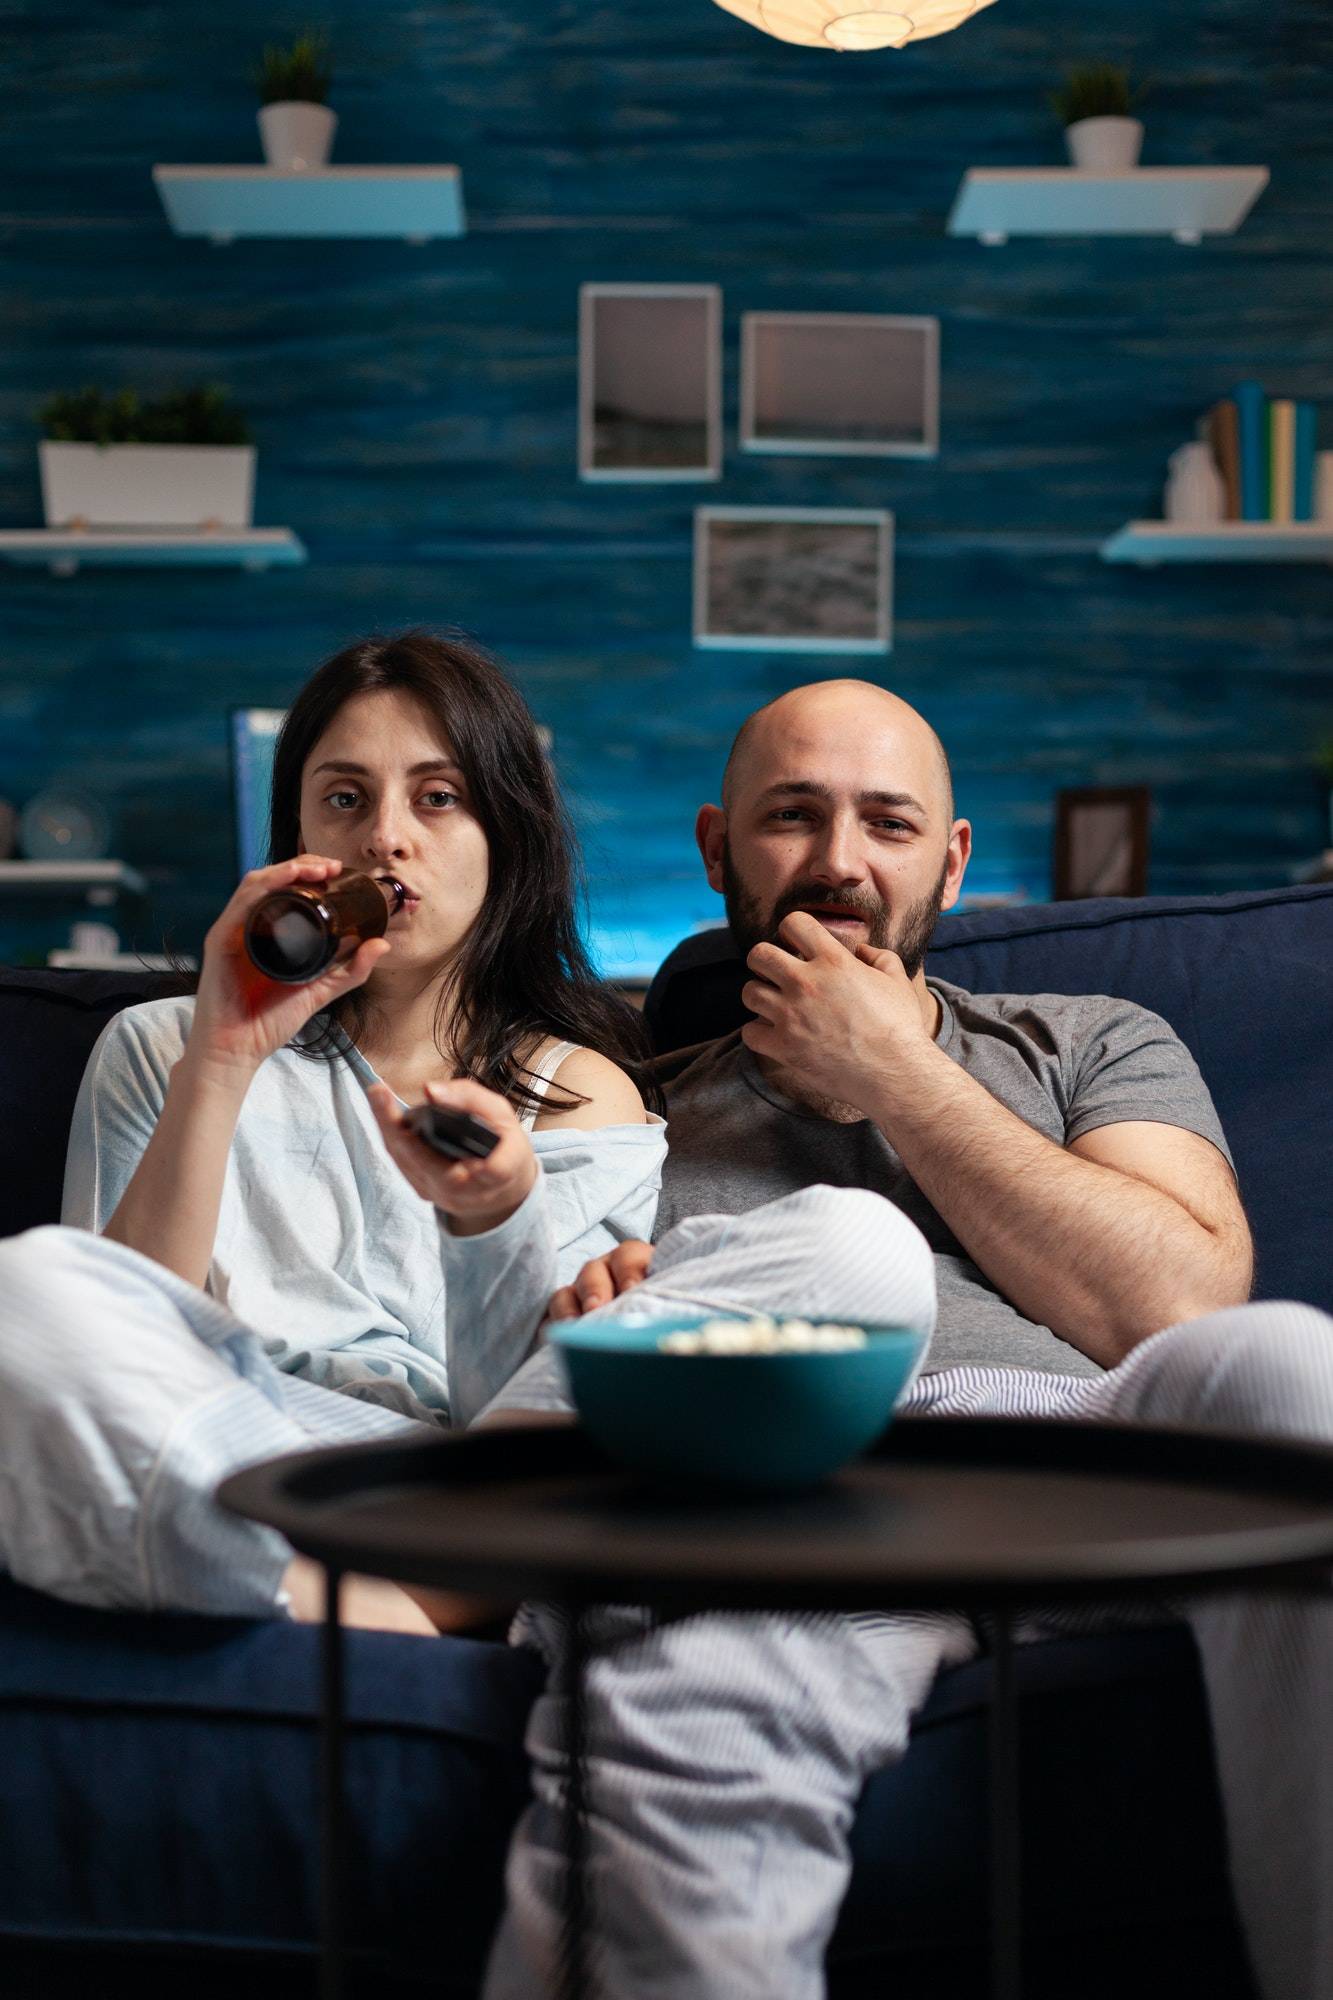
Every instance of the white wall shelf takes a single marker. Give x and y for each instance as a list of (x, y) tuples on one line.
[(224, 203), (1187, 203), (65, 550), (120, 961), (1153, 542), (100, 881)]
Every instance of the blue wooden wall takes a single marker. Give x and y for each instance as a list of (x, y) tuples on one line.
[(415, 410)]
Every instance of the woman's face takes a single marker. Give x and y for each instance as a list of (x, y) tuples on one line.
[(381, 793)]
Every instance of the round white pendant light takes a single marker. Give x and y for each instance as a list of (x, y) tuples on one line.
[(854, 24)]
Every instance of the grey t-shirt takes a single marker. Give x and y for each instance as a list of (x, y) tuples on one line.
[(1064, 1065)]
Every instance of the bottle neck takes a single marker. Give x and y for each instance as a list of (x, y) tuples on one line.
[(395, 895)]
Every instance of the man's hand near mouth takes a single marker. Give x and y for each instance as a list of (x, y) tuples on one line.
[(838, 1018)]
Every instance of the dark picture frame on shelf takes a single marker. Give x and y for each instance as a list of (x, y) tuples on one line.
[(1101, 841)]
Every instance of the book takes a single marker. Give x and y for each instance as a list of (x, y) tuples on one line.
[(1281, 459), (1303, 480), (1252, 424), (1222, 430)]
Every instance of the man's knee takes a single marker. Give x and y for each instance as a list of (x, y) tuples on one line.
[(821, 1253), (1265, 1368)]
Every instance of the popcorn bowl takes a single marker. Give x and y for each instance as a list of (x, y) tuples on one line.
[(756, 1422)]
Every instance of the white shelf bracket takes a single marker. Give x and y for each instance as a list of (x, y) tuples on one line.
[(1187, 236), (994, 239)]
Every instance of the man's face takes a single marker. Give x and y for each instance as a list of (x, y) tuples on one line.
[(839, 808)]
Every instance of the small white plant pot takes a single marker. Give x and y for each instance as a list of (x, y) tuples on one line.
[(1105, 145), (297, 137), (147, 485)]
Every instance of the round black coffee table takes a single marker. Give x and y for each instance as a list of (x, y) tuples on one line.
[(982, 1515)]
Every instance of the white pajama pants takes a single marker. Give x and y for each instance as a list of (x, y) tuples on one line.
[(726, 1753)]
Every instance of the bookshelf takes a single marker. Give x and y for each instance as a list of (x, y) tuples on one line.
[(1149, 543), (100, 881)]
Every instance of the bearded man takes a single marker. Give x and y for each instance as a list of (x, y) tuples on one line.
[(1041, 1183)]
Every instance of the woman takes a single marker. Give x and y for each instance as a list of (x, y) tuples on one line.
[(251, 1143)]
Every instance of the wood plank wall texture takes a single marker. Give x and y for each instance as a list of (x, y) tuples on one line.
[(415, 410)]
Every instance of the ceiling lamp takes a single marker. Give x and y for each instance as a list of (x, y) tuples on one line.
[(854, 24)]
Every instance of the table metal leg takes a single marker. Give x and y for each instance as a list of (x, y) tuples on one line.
[(333, 1817), (573, 1979), (1006, 1882)]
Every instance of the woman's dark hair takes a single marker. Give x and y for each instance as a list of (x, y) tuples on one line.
[(521, 973)]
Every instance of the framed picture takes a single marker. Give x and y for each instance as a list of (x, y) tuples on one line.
[(1101, 842), (650, 382), (794, 579), (840, 383)]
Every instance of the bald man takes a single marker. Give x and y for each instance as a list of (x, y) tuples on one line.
[(1042, 1183)]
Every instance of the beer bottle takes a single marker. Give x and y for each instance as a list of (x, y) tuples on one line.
[(296, 933)]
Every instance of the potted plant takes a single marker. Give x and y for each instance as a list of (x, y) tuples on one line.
[(114, 461), (295, 123), (1095, 103)]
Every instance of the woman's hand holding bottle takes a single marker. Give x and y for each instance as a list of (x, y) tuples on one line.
[(476, 1195), (240, 1016)]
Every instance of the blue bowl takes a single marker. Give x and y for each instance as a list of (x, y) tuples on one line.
[(767, 1422)]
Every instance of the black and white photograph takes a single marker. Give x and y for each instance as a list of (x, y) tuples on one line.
[(793, 579)]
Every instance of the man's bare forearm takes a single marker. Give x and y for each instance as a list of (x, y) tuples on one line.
[(170, 1209), (1100, 1258)]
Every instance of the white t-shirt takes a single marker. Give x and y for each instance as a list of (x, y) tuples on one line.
[(322, 1247)]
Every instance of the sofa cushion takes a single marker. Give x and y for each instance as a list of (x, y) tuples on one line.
[(160, 1791), (48, 1024), (160, 1783), (1246, 981)]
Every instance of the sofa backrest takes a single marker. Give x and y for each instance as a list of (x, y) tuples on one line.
[(1246, 981), (48, 1024)]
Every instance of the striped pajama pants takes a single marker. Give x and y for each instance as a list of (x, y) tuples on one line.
[(727, 1753)]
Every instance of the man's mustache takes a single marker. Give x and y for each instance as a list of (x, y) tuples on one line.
[(859, 903)]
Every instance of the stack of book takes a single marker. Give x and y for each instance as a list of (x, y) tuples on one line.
[(1265, 452)]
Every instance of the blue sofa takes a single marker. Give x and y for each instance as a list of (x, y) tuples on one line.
[(157, 1788)]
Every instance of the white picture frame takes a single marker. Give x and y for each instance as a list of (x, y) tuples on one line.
[(650, 382), (840, 384), (775, 580)]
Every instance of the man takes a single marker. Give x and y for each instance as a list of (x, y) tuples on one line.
[(1063, 1163), (1056, 1249)]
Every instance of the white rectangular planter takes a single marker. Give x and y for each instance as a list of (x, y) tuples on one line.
[(148, 485)]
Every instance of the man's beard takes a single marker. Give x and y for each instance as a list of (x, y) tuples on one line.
[(909, 938)]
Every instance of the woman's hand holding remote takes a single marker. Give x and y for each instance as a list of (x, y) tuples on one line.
[(476, 1195)]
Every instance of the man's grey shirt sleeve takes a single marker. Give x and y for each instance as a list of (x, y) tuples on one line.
[(1128, 1064)]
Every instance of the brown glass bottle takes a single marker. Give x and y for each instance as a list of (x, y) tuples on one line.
[(296, 933)]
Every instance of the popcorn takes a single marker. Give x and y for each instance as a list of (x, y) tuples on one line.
[(762, 1335)]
